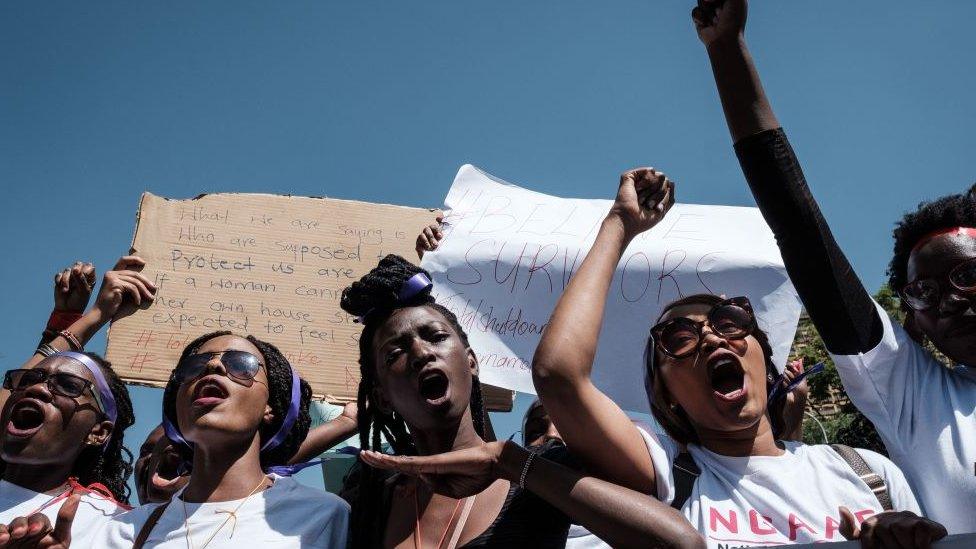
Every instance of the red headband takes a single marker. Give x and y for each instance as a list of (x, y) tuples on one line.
[(952, 230)]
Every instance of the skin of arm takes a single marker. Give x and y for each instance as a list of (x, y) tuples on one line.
[(597, 431), (836, 300), (124, 289), (323, 437), (618, 515), (72, 290), (721, 27)]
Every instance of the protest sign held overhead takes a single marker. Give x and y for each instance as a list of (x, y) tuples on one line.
[(508, 253), (270, 266)]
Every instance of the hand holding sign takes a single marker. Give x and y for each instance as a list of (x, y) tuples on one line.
[(643, 199), (125, 289), (35, 531)]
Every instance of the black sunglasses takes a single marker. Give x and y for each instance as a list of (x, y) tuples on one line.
[(681, 337), (240, 365), (59, 383), (926, 293)]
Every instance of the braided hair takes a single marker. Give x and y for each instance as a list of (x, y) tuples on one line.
[(279, 398), (955, 210), (109, 465), (374, 298)]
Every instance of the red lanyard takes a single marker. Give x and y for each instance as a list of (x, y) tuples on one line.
[(95, 489)]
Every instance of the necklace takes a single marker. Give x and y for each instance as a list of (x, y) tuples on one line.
[(230, 515), (418, 533)]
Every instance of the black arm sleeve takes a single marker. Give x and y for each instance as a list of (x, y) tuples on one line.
[(838, 304)]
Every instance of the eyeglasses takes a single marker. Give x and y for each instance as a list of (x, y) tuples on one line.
[(239, 365), (681, 337), (926, 293), (59, 383)]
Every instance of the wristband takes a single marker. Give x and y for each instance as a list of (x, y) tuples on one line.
[(61, 320), (73, 342)]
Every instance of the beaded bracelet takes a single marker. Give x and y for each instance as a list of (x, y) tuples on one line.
[(525, 469), (73, 341)]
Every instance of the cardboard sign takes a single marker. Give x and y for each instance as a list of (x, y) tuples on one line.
[(270, 266), (508, 253)]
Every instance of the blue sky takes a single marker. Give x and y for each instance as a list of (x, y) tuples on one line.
[(384, 101)]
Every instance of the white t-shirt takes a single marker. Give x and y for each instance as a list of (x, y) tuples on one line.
[(581, 538), (93, 510), (771, 500), (286, 515), (926, 416)]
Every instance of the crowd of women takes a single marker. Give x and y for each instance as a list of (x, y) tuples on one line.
[(725, 470)]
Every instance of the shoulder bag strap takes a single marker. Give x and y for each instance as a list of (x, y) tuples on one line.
[(149, 525), (863, 470)]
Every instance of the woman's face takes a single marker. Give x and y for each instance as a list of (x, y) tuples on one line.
[(156, 470), (723, 386), (423, 368), (950, 325), (215, 408), (41, 427)]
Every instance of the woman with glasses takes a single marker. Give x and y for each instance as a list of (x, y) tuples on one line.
[(235, 409), (709, 371), (63, 422), (924, 412)]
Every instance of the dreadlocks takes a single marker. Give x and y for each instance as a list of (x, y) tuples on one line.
[(374, 298), (110, 465), (279, 397)]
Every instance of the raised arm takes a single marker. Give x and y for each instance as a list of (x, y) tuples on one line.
[(72, 290), (124, 289), (618, 515), (323, 437), (836, 300), (593, 426)]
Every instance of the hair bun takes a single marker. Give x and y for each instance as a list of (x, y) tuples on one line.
[(379, 289)]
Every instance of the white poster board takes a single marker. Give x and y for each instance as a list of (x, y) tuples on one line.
[(509, 252)]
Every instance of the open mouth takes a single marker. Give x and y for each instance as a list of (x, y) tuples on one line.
[(26, 418), (167, 472), (433, 386), (727, 377), (209, 392)]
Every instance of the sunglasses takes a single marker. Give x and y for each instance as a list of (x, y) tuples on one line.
[(926, 293), (240, 365), (681, 337), (59, 383)]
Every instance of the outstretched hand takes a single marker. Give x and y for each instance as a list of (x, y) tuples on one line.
[(891, 529), (456, 474), (643, 199), (125, 289), (36, 532), (720, 21), (73, 287)]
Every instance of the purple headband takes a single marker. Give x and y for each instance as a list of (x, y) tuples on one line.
[(289, 470), (104, 397), (294, 407), (411, 288), (291, 416)]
